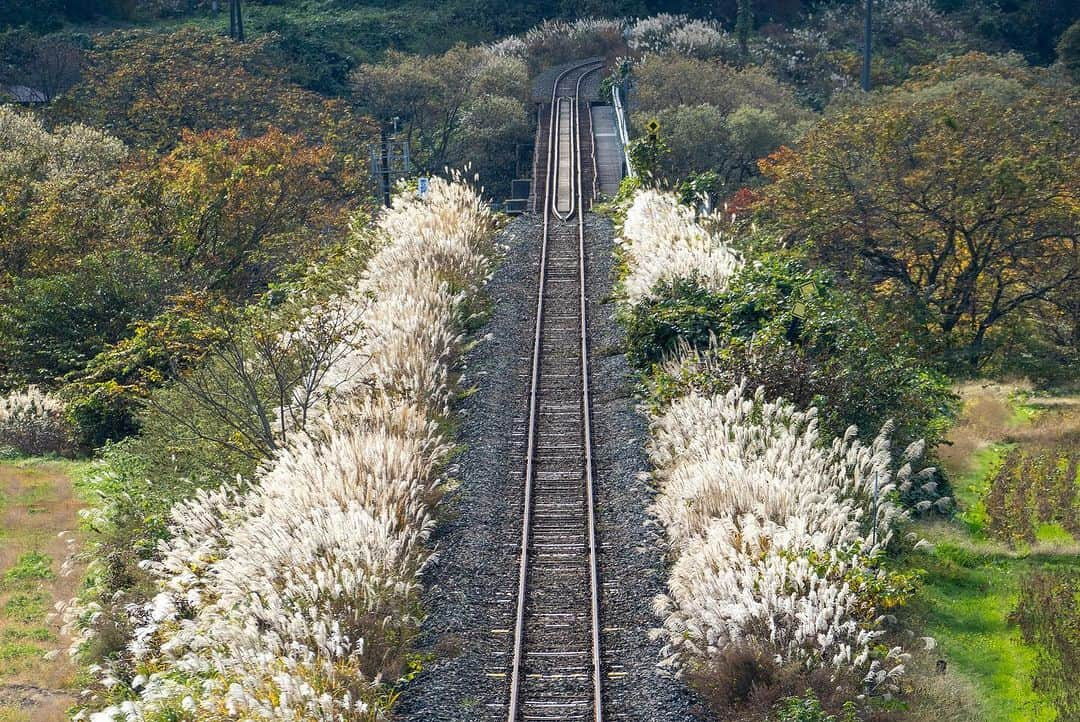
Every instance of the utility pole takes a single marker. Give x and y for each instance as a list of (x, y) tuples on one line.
[(391, 158), (236, 20), (744, 25), (866, 49)]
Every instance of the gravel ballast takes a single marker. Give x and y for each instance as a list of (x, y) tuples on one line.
[(470, 597)]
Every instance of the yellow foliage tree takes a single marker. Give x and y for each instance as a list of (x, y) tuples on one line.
[(957, 190)]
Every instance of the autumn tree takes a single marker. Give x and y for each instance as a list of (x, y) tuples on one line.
[(956, 191), (450, 105), (54, 204), (664, 81), (232, 211), (146, 87)]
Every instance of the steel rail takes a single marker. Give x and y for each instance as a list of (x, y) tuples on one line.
[(519, 626), (564, 215), (592, 153), (586, 406)]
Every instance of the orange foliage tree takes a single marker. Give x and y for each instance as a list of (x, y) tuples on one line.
[(957, 191), (231, 211)]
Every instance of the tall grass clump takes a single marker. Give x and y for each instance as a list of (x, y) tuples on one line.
[(777, 533), (295, 596), (34, 422), (554, 42), (661, 242), (665, 33)]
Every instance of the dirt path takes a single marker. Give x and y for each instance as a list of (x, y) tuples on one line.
[(38, 511)]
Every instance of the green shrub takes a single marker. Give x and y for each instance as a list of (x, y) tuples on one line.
[(807, 708), (648, 156), (53, 324), (101, 412), (680, 311), (131, 495), (793, 331)]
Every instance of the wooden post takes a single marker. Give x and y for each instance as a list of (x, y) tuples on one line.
[(384, 139)]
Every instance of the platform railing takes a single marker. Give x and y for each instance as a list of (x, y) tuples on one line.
[(624, 132)]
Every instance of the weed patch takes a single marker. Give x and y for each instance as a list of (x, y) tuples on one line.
[(1033, 488), (26, 607), (30, 566)]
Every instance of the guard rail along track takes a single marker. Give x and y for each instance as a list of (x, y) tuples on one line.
[(556, 667)]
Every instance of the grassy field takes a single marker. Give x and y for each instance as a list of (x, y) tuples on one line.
[(37, 506), (979, 568)]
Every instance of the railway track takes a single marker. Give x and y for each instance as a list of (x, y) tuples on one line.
[(556, 666)]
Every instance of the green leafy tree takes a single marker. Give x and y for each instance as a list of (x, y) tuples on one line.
[(53, 324), (715, 118), (1068, 51), (702, 139), (449, 106)]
